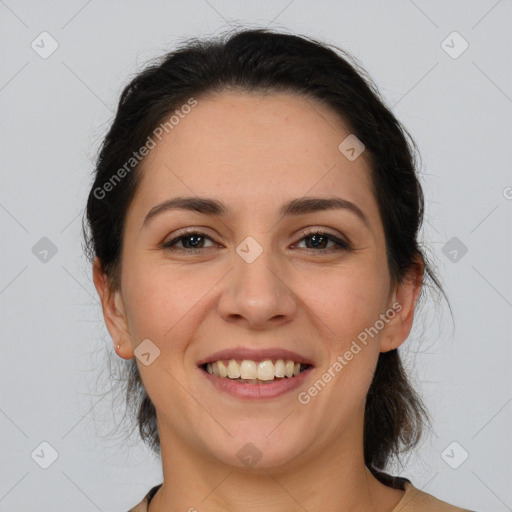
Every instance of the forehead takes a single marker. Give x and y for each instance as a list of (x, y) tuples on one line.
[(254, 149)]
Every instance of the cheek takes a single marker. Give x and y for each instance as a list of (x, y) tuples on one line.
[(161, 303), (352, 304), (347, 302)]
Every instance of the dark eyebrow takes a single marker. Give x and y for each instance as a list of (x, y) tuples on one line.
[(299, 206)]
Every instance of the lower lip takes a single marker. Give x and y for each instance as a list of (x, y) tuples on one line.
[(270, 390)]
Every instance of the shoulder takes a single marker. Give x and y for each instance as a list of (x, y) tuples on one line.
[(414, 500), (143, 505), (419, 501)]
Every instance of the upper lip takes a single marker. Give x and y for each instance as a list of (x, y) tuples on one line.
[(256, 355)]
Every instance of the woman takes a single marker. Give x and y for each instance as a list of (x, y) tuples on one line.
[(253, 232)]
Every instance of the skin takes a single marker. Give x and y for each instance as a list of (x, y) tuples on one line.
[(254, 152)]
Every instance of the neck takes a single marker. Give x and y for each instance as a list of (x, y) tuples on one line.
[(337, 475)]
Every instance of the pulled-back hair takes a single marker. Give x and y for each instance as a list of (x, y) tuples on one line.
[(262, 60)]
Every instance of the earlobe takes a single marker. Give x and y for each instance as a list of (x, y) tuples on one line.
[(403, 303), (113, 312)]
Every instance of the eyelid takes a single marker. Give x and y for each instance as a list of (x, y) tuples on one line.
[(312, 230), (342, 243), (199, 230)]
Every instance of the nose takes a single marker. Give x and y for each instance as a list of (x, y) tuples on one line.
[(256, 294)]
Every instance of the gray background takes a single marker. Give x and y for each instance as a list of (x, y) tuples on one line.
[(54, 346)]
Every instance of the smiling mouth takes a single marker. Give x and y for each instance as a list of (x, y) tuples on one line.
[(252, 372)]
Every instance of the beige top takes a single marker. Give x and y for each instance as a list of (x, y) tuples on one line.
[(413, 500)]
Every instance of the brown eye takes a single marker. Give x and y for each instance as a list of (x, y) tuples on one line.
[(319, 239), (192, 240)]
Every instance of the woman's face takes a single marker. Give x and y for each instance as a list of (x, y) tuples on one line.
[(257, 280)]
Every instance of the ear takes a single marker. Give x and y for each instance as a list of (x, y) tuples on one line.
[(403, 301), (113, 311)]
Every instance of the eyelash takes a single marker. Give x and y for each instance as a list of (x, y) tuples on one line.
[(341, 244)]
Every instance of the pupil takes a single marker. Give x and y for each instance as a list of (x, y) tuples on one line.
[(194, 237), (316, 237)]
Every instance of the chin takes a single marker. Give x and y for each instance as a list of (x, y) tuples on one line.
[(260, 448)]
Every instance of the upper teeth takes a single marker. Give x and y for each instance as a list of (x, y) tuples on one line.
[(246, 369)]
